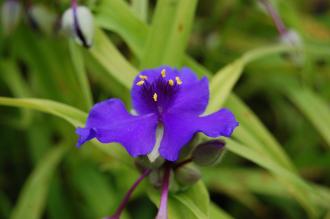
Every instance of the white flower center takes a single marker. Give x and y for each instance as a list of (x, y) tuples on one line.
[(154, 154)]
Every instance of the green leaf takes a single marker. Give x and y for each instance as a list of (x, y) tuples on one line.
[(140, 8), (196, 199), (218, 213), (254, 134), (251, 130), (70, 114), (159, 33), (31, 201), (225, 79), (96, 192), (192, 203), (168, 36), (174, 49), (112, 60), (18, 86), (78, 65), (117, 16), (314, 108), (295, 185)]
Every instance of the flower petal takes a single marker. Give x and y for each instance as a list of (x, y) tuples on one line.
[(85, 134), (109, 121), (220, 123), (187, 75), (192, 98), (179, 129)]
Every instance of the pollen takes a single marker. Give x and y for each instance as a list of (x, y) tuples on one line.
[(163, 73), (171, 82), (155, 96), (143, 77), (178, 80), (140, 83)]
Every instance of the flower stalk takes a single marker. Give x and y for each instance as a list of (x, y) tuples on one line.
[(129, 193), (275, 17), (162, 212)]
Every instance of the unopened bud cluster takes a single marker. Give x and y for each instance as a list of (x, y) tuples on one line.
[(185, 172)]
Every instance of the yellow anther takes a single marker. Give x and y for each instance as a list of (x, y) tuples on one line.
[(155, 96), (171, 82), (143, 77), (163, 73), (178, 80), (140, 83)]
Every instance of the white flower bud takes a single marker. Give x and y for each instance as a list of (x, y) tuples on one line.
[(292, 38), (79, 24), (10, 15)]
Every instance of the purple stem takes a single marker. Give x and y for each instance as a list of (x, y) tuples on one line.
[(275, 17), (162, 212), (123, 203), (74, 4), (77, 28)]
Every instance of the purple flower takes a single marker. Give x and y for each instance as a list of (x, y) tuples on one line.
[(169, 104)]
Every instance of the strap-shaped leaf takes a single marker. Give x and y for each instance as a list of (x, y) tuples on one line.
[(70, 114), (31, 201), (169, 32)]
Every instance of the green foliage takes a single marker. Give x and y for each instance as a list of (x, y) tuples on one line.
[(280, 102), (34, 193)]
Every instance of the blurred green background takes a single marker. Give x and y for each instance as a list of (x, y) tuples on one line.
[(277, 166)]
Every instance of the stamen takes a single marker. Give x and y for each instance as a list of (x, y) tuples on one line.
[(163, 73), (178, 80), (171, 82), (143, 77), (140, 83), (154, 154), (155, 96)]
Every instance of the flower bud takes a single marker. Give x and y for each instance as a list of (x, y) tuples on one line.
[(156, 178), (41, 18), (144, 162), (188, 148), (10, 15), (292, 38), (187, 175), (208, 153), (78, 23)]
